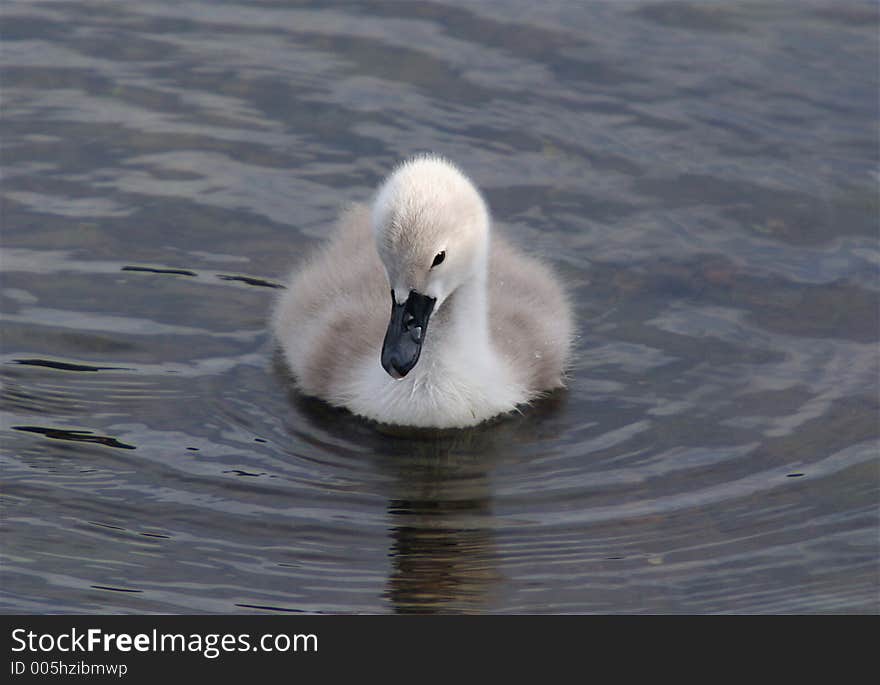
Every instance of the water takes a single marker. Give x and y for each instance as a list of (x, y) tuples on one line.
[(703, 175)]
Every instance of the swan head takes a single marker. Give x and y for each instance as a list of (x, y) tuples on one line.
[(431, 229)]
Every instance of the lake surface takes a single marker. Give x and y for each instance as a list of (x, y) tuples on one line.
[(704, 176)]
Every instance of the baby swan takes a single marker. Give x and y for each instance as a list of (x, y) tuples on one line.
[(475, 327)]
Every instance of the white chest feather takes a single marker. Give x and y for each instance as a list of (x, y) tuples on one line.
[(454, 389)]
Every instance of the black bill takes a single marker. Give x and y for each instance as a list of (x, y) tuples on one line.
[(406, 332)]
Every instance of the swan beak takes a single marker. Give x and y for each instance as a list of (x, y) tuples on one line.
[(406, 332)]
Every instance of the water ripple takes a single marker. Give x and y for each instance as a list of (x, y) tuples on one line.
[(715, 451)]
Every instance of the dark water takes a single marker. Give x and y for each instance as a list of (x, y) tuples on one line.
[(703, 175)]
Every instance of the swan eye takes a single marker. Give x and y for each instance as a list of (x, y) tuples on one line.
[(439, 258)]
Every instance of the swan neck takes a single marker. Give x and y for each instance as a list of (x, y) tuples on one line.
[(469, 316)]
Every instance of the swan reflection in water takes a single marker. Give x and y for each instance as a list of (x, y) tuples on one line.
[(442, 540), (442, 546)]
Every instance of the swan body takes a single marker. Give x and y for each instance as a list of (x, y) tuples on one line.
[(476, 328)]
